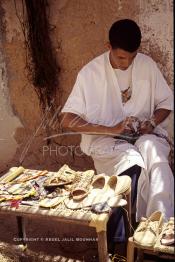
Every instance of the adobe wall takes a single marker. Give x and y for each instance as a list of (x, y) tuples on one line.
[(80, 30)]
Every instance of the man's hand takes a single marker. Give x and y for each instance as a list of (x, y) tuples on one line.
[(130, 125), (133, 123), (146, 127)]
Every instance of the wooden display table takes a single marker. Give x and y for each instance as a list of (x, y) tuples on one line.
[(62, 214)]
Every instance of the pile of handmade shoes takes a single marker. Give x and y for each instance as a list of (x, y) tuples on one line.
[(102, 193), (64, 183), (153, 233), (76, 189), (85, 190)]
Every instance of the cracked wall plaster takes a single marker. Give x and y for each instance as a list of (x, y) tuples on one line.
[(8, 121), (79, 33)]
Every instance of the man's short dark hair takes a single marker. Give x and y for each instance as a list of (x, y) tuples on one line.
[(125, 34)]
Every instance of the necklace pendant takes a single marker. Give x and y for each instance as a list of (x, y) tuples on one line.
[(126, 94)]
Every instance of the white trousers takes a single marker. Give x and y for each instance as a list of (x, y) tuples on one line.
[(156, 181)]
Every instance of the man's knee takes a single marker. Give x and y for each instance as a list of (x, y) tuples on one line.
[(151, 146), (146, 143)]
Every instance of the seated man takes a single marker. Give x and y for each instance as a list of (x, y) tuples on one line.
[(120, 104)]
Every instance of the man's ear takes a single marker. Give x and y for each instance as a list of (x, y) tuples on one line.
[(108, 45)]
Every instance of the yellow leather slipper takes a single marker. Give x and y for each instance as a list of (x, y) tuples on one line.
[(148, 230)]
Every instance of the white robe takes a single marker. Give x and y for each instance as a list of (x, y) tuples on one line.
[(97, 99)]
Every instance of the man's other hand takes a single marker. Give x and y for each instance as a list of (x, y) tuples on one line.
[(146, 127)]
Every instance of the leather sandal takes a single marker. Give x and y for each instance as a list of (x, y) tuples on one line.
[(64, 176), (81, 184)]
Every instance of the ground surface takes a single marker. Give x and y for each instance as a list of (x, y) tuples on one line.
[(42, 250)]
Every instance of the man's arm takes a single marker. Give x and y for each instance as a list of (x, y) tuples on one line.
[(159, 116), (75, 123)]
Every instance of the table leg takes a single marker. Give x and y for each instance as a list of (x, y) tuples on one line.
[(130, 250), (102, 247), (21, 230), (140, 255)]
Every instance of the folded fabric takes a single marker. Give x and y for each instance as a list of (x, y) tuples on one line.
[(17, 196), (20, 189), (148, 230), (81, 184), (64, 176)]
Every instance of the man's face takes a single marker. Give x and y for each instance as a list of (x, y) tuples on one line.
[(121, 59)]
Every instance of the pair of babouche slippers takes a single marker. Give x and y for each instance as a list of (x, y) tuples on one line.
[(102, 193), (149, 230)]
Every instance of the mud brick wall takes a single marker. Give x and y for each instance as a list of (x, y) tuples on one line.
[(80, 32)]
